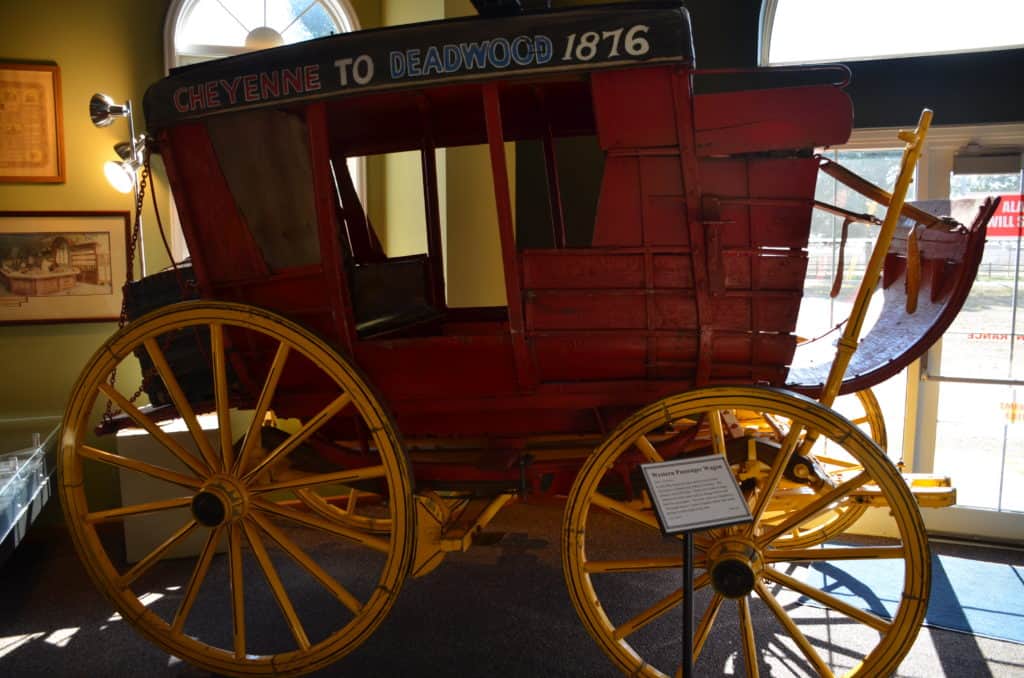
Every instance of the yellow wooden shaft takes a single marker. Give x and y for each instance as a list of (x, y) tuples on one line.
[(851, 333)]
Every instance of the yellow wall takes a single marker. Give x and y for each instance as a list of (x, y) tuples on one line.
[(113, 47)]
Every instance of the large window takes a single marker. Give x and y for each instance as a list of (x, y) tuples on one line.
[(814, 31), (960, 412), (199, 30)]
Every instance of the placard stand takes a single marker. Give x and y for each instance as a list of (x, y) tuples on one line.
[(690, 495)]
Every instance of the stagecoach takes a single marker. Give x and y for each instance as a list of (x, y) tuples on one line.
[(364, 426)]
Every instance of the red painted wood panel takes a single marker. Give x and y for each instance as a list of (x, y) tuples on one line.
[(598, 356), (569, 269), (672, 270), (772, 119), (634, 108), (619, 205), (574, 310), (439, 367), (674, 311)]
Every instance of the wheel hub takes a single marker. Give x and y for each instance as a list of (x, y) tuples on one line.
[(734, 565), (221, 500)]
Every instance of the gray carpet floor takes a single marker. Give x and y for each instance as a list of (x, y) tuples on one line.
[(499, 610)]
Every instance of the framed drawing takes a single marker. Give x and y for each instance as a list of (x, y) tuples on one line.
[(58, 267), (31, 123)]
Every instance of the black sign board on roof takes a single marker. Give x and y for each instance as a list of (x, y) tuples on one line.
[(417, 55)]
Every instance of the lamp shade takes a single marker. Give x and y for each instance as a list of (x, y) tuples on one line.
[(121, 175), (103, 110)]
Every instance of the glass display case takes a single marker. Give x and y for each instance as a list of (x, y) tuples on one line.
[(27, 461)]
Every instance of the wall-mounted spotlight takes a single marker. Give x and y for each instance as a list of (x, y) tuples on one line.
[(103, 110), (123, 174)]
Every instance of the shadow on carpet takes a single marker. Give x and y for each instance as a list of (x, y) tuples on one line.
[(971, 596)]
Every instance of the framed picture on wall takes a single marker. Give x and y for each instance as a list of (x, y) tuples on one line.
[(58, 267), (31, 123)]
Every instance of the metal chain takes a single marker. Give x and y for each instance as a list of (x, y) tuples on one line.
[(133, 242)]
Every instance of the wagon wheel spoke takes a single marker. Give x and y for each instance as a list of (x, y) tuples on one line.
[(220, 394), (645, 617), (313, 425), (794, 632), (707, 621), (276, 586), (196, 580), (877, 623), (237, 586), (622, 509), (843, 463), (179, 452), (151, 559), (318, 573), (717, 432), (644, 445), (749, 644), (136, 510), (181, 403), (811, 555), (822, 503), (266, 397), (318, 523), (633, 565), (767, 490), (129, 464), (313, 480)]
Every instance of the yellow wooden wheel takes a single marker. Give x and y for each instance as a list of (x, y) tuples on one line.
[(623, 575), (863, 410), (239, 578)]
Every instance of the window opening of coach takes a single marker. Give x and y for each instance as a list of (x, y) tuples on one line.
[(394, 267)]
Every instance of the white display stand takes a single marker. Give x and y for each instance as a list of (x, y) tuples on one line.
[(144, 533)]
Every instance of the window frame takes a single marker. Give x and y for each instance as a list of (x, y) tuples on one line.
[(917, 439)]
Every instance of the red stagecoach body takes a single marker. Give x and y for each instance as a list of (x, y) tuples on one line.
[(681, 267)]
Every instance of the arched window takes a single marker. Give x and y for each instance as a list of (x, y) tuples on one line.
[(814, 31), (201, 30)]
